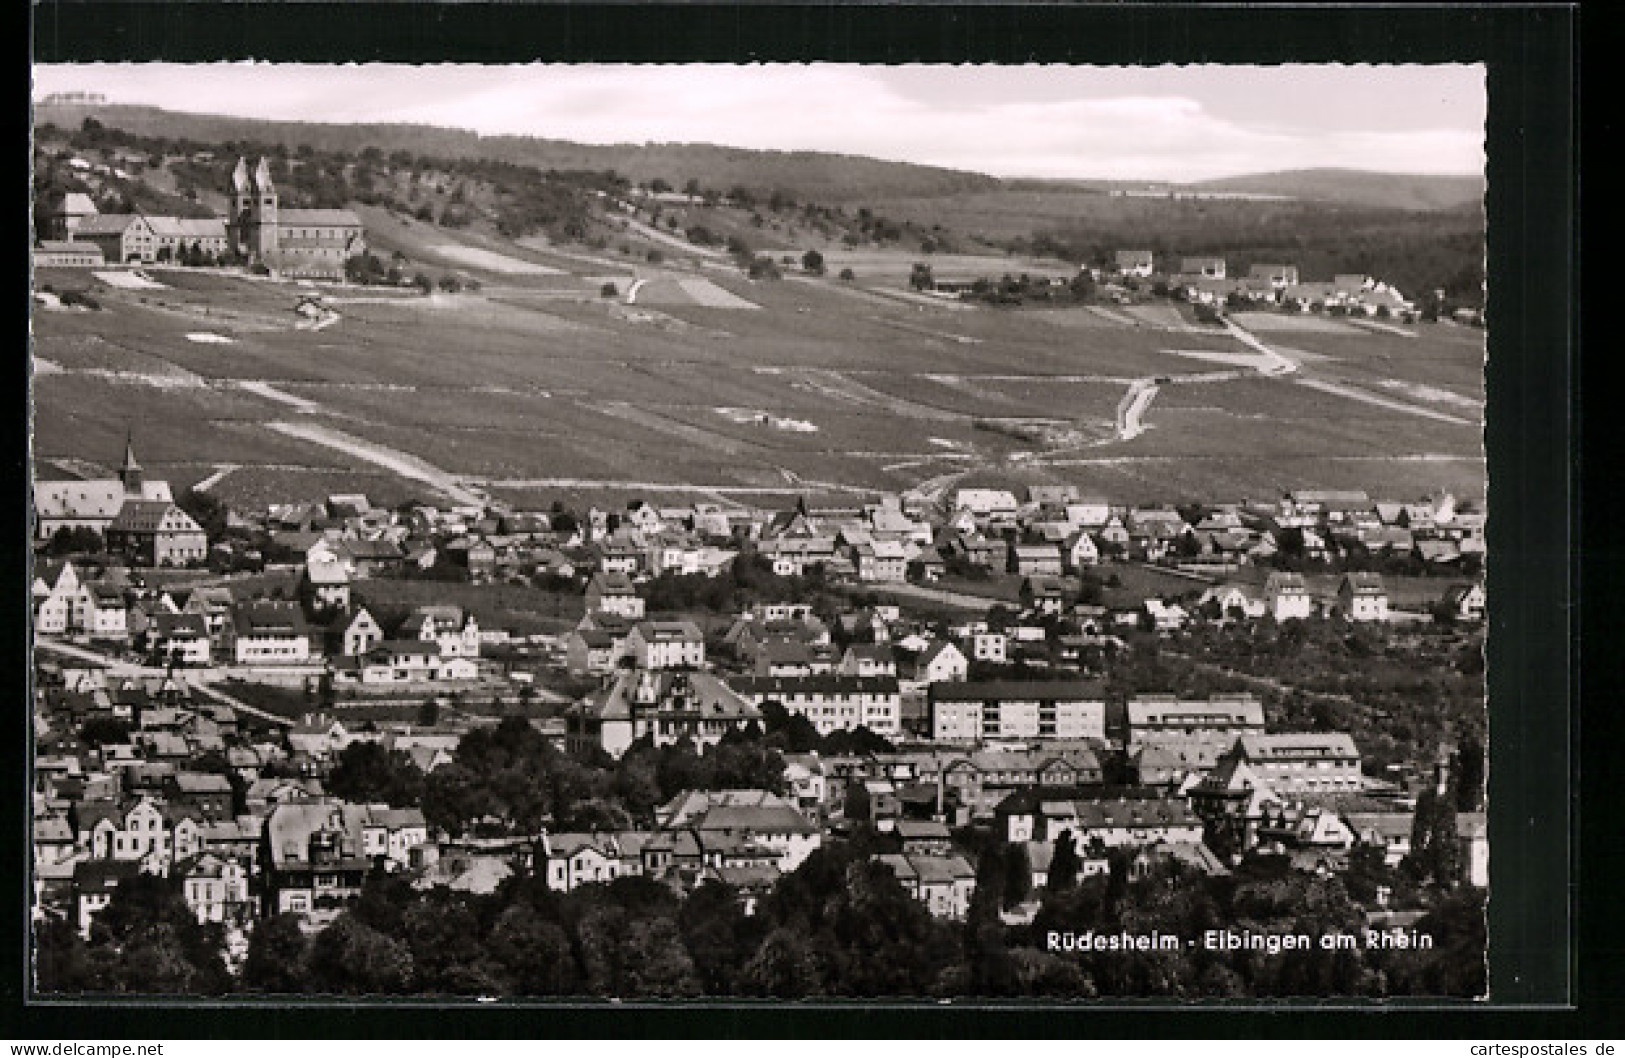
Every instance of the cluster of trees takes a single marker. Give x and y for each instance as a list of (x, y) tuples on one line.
[(510, 779), (78, 540), (1401, 698), (841, 925), (145, 941), (749, 579)]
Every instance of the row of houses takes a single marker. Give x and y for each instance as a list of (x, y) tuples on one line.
[(1206, 280)]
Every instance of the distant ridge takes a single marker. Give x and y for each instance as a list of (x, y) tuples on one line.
[(811, 175), (1357, 187), (1347, 187)]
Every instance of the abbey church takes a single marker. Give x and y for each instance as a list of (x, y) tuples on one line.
[(308, 243)]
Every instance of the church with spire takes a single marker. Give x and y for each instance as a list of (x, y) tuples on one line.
[(96, 502), (301, 243)]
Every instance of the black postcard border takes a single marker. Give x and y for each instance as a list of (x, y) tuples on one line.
[(1533, 372)]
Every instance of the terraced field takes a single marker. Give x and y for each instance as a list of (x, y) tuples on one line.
[(539, 386)]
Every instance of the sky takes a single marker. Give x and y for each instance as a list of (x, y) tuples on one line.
[(1153, 123)]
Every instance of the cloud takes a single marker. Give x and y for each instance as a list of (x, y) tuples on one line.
[(1176, 125)]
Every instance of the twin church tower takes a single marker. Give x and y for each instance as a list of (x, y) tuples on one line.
[(297, 242)]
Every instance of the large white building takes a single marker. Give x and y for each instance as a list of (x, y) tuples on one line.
[(1303, 763), (666, 645), (832, 702), (1016, 710)]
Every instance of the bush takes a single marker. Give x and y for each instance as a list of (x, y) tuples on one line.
[(848, 275), (608, 290)]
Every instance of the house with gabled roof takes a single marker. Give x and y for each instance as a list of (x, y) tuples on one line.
[(1141, 263), (156, 533), (1288, 596), (667, 706), (215, 887), (268, 632), (942, 661), (614, 593), (1233, 799), (943, 883), (666, 645), (1465, 602), (1362, 597), (353, 633)]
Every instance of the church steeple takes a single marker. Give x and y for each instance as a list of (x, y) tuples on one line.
[(130, 472), (262, 178)]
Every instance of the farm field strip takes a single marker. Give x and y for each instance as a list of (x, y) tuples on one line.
[(395, 461), (1382, 402), (489, 260), (1294, 323)]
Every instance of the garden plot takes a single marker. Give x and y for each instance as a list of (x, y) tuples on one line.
[(1165, 316), (1079, 318), (490, 260), (1292, 323), (128, 281)]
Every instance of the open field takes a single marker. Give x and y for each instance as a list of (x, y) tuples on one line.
[(538, 387)]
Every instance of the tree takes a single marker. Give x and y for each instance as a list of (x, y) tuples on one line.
[(812, 261), (1064, 864), (920, 277), (1435, 851), (609, 290), (847, 275), (366, 772), (64, 963), (155, 943), (351, 957), (207, 510), (534, 951), (277, 951), (1469, 770), (857, 807), (1018, 875), (785, 966), (78, 540), (429, 712)]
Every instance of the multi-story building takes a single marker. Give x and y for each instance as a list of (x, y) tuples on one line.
[(666, 706), (666, 645), (1156, 716), (268, 632), (156, 533), (1016, 710), (831, 701), (1303, 763)]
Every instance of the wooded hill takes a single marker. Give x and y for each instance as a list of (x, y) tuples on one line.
[(808, 175)]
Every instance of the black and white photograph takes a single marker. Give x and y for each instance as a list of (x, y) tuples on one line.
[(557, 532)]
